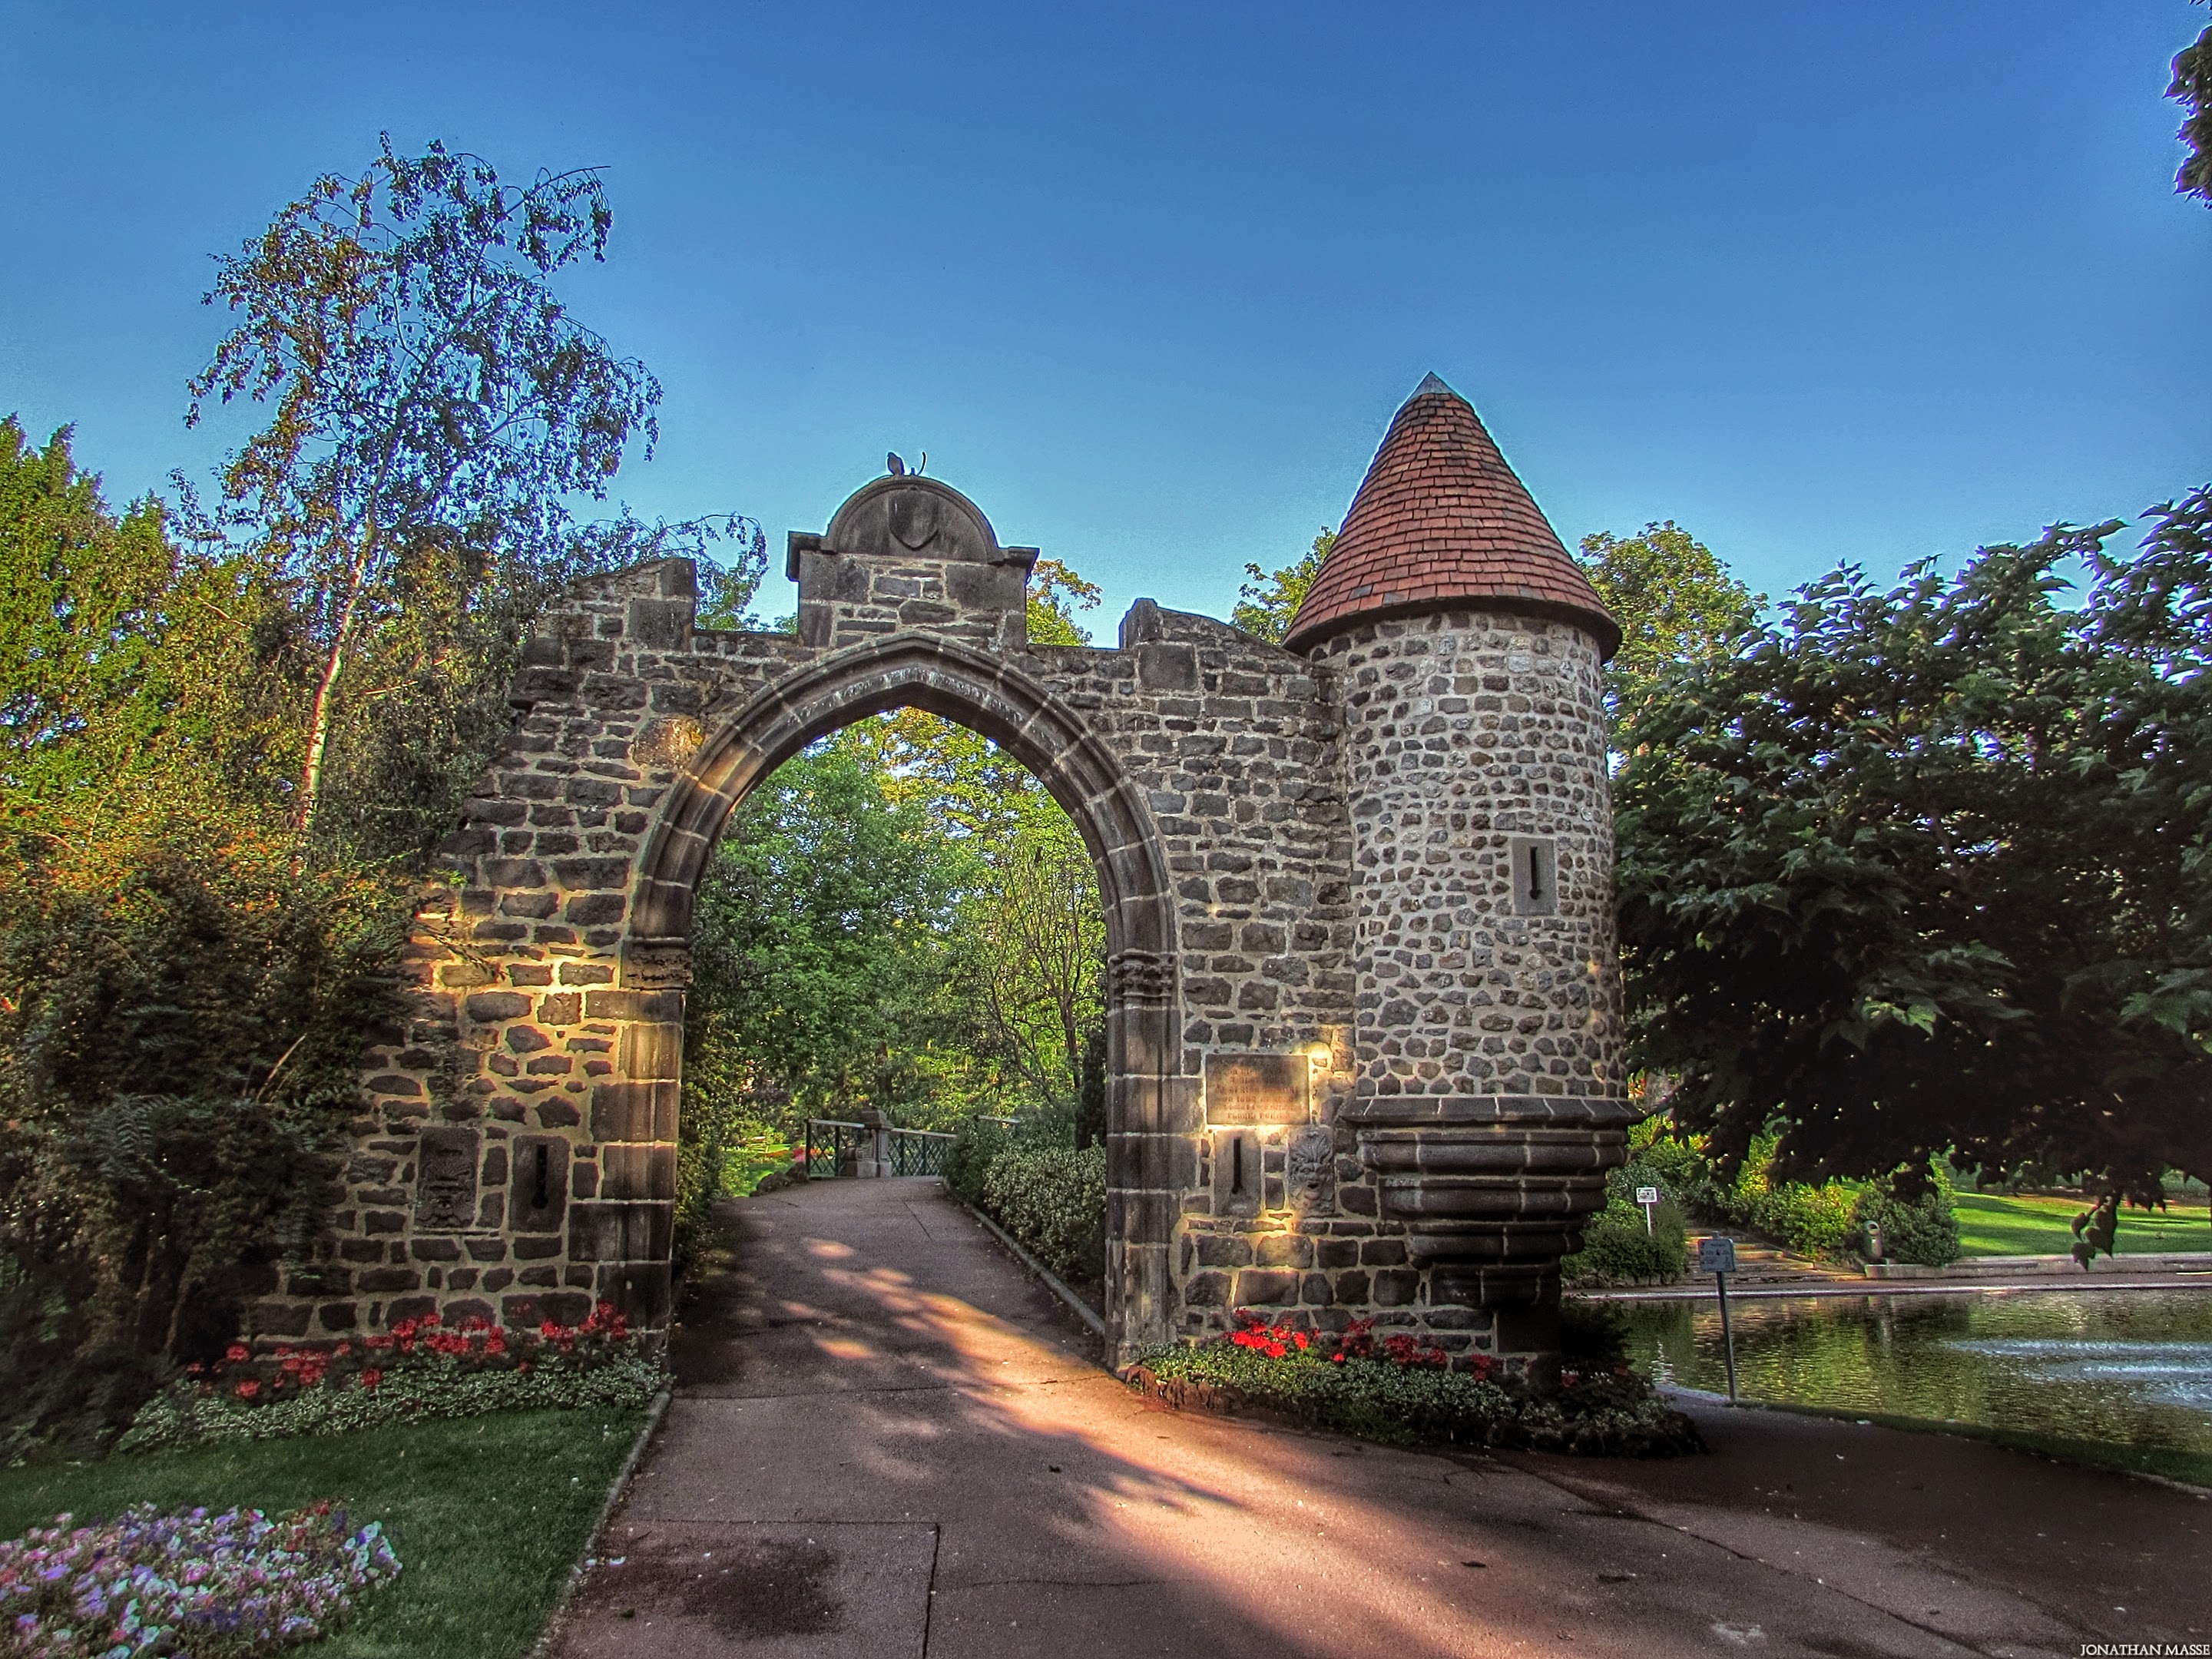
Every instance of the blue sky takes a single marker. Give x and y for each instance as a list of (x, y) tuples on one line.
[(1859, 282)]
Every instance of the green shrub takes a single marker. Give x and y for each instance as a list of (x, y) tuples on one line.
[(974, 1144), (180, 1418), (1054, 1200), (1616, 1247), (1593, 1414), (1923, 1230), (1684, 1173), (421, 1370)]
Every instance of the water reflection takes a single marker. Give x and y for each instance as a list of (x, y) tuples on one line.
[(2130, 1368)]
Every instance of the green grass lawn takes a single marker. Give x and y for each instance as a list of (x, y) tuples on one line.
[(488, 1514), (1991, 1225)]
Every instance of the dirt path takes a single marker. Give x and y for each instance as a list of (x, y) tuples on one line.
[(888, 1441)]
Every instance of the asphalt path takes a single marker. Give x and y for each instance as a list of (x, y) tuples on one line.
[(889, 1440)]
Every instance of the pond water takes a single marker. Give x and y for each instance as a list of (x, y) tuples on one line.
[(2124, 1367)]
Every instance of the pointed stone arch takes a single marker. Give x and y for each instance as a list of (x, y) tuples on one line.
[(994, 696)]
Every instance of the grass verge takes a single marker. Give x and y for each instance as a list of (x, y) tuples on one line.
[(2191, 1468), (1990, 1223), (488, 1514)]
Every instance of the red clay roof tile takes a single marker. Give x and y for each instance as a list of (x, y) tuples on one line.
[(1441, 520)]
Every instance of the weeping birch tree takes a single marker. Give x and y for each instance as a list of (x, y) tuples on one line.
[(435, 412)]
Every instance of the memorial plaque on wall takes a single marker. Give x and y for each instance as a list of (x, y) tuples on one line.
[(445, 1179), (1257, 1088)]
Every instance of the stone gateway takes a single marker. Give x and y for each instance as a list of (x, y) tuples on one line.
[(1364, 1035)]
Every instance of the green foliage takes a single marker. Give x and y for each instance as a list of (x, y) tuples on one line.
[(1812, 1219), (433, 411), (900, 918), (1268, 604), (1055, 594), (79, 596), (179, 1417), (223, 765), (1926, 868), (1053, 1198), (2192, 89), (1921, 1228), (1602, 1413), (1674, 600), (1031, 950), (975, 1143), (818, 962), (1617, 1249), (2095, 1229)]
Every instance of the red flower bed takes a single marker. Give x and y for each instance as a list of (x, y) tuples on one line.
[(1357, 1340), (426, 1345)]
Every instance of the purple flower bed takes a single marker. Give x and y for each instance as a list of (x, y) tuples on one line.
[(189, 1586)]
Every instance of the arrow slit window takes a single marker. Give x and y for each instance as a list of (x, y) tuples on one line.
[(1535, 861)]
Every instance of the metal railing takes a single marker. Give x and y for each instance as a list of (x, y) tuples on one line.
[(833, 1147), (918, 1152)]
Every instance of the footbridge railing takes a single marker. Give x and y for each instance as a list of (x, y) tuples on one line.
[(837, 1147)]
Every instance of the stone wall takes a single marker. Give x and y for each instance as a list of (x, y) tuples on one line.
[(1309, 908)]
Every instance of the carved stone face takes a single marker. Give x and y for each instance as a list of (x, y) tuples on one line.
[(446, 1188), (1309, 1163)]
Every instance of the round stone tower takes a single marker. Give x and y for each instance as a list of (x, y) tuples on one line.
[(1490, 1095)]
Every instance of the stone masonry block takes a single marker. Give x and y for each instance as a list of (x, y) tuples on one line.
[(634, 1111), (636, 1171)]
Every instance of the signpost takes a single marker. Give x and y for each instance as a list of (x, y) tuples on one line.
[(1716, 1256), (1649, 1198)]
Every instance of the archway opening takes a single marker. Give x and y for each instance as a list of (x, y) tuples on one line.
[(898, 966), (997, 699)]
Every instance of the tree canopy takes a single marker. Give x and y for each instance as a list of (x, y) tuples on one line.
[(1926, 868), (1268, 604), (435, 411), (1674, 600)]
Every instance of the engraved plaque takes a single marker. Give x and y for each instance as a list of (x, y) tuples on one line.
[(1257, 1088), (446, 1180)]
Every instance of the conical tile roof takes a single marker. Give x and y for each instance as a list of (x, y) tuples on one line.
[(1440, 521)]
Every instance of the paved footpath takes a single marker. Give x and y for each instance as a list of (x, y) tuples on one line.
[(889, 1442)]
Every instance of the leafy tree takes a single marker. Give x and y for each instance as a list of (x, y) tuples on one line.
[(1927, 868), (1055, 594), (1032, 950), (183, 991), (180, 1006), (77, 587), (1674, 600), (434, 409), (817, 943), (2192, 89), (1268, 604)]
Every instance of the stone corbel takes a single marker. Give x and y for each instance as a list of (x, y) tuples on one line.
[(1491, 1189)]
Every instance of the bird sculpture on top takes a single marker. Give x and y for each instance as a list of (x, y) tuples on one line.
[(897, 467)]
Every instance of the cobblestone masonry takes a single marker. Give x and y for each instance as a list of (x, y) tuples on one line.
[(1307, 871)]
